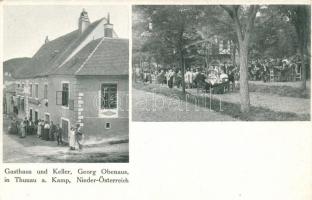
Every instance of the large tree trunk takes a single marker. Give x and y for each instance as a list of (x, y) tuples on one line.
[(244, 89), (303, 67), (243, 35), (302, 25), (303, 50)]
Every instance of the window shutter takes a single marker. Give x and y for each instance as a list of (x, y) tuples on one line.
[(65, 99)]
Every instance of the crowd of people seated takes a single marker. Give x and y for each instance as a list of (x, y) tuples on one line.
[(277, 69), (222, 76), (195, 77)]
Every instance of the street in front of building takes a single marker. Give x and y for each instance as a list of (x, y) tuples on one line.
[(33, 149)]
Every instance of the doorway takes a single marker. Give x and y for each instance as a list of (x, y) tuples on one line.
[(36, 116), (65, 128)]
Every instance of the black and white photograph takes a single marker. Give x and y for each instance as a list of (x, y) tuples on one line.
[(155, 100), (221, 63), (65, 84)]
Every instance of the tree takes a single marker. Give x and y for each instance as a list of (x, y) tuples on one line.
[(243, 26), (273, 35), (172, 29), (299, 16)]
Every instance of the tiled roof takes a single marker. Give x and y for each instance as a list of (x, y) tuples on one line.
[(73, 46), (53, 53), (104, 56), (71, 66), (110, 58), (46, 55)]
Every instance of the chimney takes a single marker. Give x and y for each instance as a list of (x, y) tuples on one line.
[(84, 21), (108, 28), (46, 40)]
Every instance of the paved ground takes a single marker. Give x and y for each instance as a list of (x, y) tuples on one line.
[(34, 150), (148, 106), (270, 101)]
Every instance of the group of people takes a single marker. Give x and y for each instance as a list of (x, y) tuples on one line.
[(260, 69), (194, 77), (46, 131), (220, 73)]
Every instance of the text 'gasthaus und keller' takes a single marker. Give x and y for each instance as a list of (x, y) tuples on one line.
[(65, 176)]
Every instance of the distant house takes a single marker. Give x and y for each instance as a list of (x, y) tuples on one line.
[(80, 77), (219, 50)]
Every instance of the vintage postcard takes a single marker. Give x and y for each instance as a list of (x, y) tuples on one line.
[(155, 99)]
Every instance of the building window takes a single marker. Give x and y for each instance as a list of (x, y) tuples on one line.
[(65, 94), (18, 85), (22, 85), (36, 90), (22, 105), (30, 114), (36, 116), (108, 96), (30, 90), (45, 91), (108, 125), (225, 44)]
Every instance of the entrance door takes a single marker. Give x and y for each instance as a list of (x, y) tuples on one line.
[(65, 127), (36, 116), (30, 114)]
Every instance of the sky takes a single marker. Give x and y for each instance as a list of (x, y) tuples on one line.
[(25, 27)]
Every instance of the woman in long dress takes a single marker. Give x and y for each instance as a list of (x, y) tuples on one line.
[(46, 131), (72, 138), (39, 129), (23, 129)]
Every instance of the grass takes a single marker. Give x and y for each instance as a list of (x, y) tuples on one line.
[(286, 91), (231, 109)]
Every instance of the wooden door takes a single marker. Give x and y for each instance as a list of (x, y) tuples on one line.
[(65, 127)]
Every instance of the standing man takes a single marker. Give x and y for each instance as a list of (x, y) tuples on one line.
[(78, 136), (59, 134), (52, 131), (26, 126), (23, 129), (31, 127)]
